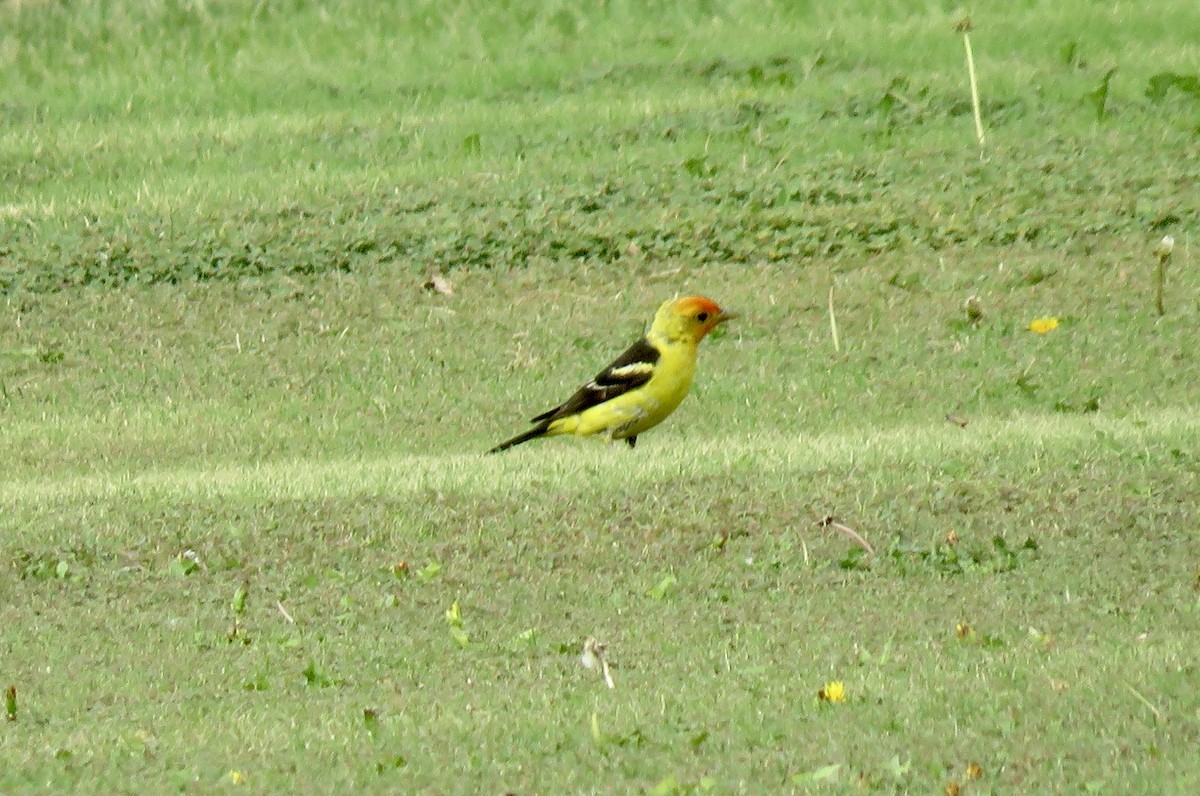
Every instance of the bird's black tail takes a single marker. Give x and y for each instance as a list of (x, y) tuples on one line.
[(532, 433)]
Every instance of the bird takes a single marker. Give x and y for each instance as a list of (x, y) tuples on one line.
[(642, 386)]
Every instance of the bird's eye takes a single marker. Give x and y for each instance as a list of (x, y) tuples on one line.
[(702, 317)]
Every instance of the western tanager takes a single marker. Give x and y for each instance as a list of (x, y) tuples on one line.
[(644, 385)]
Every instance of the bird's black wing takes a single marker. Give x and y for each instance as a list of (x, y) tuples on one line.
[(627, 372)]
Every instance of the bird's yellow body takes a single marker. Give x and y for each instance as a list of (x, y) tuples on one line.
[(643, 386), (633, 412)]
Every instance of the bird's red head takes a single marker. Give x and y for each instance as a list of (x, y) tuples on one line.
[(691, 316)]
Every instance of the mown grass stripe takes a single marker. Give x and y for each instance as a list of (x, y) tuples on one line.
[(562, 465)]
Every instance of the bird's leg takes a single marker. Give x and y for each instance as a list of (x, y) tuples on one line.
[(632, 441)]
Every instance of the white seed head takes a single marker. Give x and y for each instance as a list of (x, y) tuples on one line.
[(1165, 246), (593, 659), (593, 654)]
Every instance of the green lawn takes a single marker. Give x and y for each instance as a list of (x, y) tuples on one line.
[(248, 541)]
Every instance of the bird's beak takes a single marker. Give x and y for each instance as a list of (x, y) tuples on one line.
[(726, 316)]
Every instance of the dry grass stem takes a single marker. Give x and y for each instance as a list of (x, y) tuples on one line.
[(833, 522)]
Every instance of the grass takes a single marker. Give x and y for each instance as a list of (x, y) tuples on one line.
[(241, 489)]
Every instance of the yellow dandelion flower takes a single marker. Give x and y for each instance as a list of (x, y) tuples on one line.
[(833, 691), (237, 777), (953, 788), (963, 630), (1043, 325), (974, 770)]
